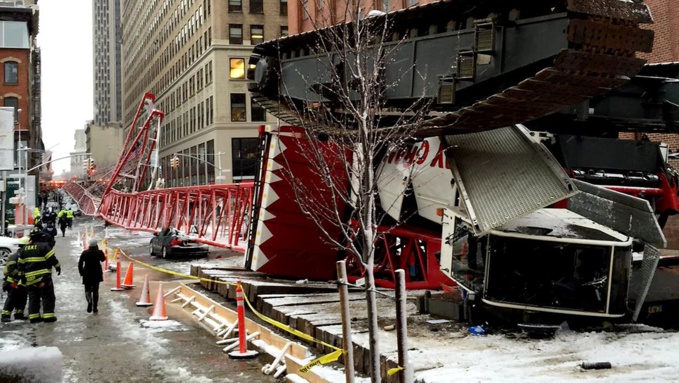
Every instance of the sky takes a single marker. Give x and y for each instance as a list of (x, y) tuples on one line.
[(65, 41)]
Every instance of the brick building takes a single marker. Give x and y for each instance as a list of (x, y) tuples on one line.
[(20, 65), (665, 49)]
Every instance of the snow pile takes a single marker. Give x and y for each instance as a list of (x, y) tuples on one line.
[(636, 355), (22, 364), (163, 326)]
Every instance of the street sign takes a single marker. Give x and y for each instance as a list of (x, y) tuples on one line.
[(6, 138)]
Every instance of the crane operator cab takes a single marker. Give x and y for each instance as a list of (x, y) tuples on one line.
[(549, 263)]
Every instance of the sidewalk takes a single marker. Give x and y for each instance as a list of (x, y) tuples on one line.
[(112, 346)]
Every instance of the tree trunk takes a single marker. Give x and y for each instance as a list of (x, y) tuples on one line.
[(373, 341)]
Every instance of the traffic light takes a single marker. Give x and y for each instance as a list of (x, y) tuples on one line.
[(93, 166), (86, 164), (174, 162)]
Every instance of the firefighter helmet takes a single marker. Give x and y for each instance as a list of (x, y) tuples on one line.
[(23, 241)]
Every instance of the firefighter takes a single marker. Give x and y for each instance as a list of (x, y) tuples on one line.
[(39, 234), (16, 292), (69, 217), (35, 268), (63, 221)]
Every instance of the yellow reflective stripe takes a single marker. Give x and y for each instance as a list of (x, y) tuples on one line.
[(10, 263), (48, 315), (33, 316), (49, 254), (58, 265), (33, 260), (36, 272)]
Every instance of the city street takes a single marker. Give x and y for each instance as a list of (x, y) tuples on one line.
[(112, 346)]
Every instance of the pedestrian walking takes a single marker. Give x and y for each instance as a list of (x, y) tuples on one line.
[(35, 269), (63, 223), (89, 267), (16, 292)]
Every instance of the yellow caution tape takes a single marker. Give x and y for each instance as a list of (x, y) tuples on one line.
[(325, 359), (394, 370), (165, 271), (333, 356)]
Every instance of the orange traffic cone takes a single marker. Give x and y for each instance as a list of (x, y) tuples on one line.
[(105, 259), (128, 283), (159, 308), (243, 352), (117, 288), (145, 299)]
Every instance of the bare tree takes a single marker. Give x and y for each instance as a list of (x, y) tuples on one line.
[(347, 131)]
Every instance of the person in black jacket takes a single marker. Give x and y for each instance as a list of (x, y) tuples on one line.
[(89, 267)]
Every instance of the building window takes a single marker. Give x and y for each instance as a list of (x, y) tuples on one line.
[(256, 6), (238, 112), (284, 31), (235, 34), (237, 68), (13, 102), (256, 34), (235, 6), (284, 7), (244, 158), (11, 73), (257, 113)]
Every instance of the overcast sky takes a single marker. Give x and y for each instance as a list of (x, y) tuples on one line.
[(65, 40)]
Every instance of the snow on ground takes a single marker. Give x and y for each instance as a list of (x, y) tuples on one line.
[(636, 354), (23, 362), (155, 348)]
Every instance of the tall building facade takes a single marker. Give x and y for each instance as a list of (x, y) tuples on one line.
[(107, 61), (193, 54), (79, 153)]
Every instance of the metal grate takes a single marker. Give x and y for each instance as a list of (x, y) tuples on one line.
[(502, 174), (485, 37), (446, 94), (629, 215), (466, 65), (648, 266)]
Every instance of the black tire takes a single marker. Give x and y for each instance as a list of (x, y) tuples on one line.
[(164, 253), (5, 252), (151, 253)]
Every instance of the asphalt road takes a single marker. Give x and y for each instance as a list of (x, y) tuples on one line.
[(112, 346)]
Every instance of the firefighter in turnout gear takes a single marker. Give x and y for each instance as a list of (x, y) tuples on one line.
[(35, 269), (16, 293)]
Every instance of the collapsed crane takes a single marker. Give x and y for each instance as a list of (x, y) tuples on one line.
[(492, 186)]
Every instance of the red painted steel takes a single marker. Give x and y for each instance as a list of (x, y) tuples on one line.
[(412, 249), (214, 214)]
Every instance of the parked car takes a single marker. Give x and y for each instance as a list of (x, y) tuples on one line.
[(7, 246), (170, 242)]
